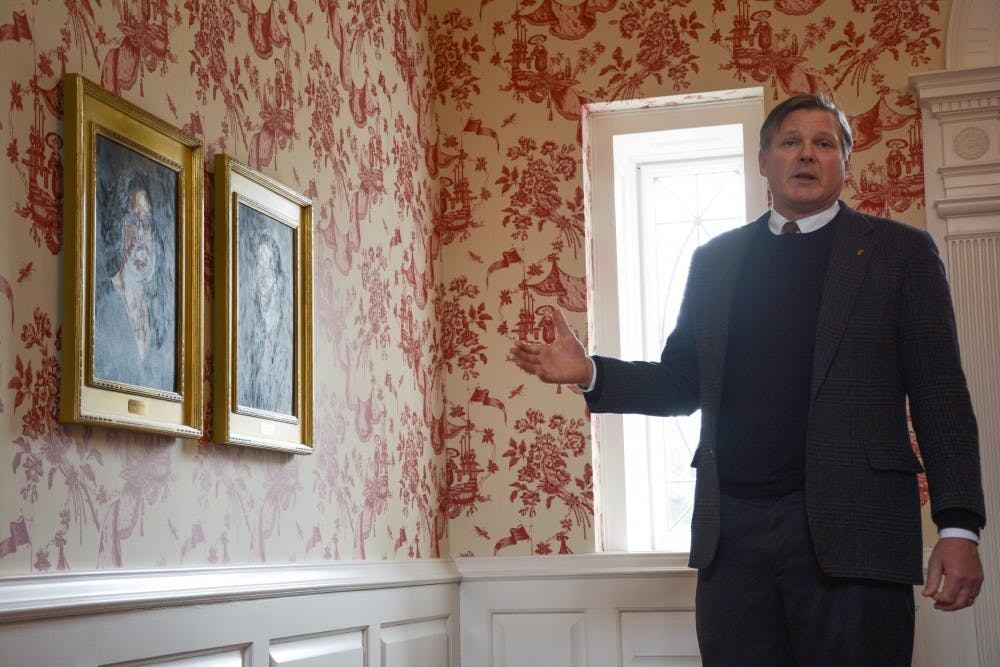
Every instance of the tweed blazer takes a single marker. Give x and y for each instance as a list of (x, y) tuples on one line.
[(885, 336)]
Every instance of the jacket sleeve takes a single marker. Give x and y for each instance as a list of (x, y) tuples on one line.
[(940, 406), (666, 387)]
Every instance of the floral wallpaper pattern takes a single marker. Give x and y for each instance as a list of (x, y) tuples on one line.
[(441, 145)]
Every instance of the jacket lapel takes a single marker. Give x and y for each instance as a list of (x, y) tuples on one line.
[(845, 273)]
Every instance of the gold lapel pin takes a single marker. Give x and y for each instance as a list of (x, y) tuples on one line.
[(860, 251)]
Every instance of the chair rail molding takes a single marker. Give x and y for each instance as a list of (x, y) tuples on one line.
[(36, 597)]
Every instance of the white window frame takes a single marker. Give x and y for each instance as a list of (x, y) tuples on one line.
[(607, 245)]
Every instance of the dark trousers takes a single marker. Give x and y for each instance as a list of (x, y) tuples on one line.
[(765, 601)]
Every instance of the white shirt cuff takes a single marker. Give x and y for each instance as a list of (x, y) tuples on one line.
[(958, 532), (593, 376)]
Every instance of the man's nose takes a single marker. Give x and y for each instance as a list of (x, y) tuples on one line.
[(807, 152)]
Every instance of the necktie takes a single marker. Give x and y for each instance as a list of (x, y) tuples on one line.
[(790, 227)]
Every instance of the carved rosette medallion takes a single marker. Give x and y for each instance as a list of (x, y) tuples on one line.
[(971, 143)]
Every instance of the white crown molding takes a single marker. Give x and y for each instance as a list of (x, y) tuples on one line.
[(63, 594), (961, 140), (974, 82)]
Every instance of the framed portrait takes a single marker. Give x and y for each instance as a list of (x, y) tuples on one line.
[(262, 341), (132, 284)]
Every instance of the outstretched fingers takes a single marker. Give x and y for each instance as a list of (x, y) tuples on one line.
[(563, 361), (526, 356)]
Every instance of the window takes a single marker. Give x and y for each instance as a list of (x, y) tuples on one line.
[(663, 179)]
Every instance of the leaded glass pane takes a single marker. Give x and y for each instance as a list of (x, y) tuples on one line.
[(683, 204)]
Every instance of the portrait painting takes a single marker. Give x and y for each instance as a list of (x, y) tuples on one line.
[(264, 342), (133, 277), (262, 346)]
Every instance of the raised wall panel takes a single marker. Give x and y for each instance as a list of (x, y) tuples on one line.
[(539, 640), (416, 644), (559, 610), (659, 639), (226, 657), (944, 637), (344, 649)]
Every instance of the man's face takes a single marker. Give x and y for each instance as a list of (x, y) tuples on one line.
[(805, 165), (140, 259)]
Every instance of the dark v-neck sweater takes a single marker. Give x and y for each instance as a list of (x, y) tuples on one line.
[(769, 357)]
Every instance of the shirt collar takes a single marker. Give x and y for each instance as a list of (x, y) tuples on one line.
[(810, 223)]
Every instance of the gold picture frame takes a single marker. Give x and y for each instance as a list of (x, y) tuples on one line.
[(262, 344), (133, 276)]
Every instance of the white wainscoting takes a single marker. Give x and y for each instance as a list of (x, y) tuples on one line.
[(624, 610), (595, 610), (570, 611), (378, 614)]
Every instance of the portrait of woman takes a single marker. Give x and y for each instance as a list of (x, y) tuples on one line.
[(265, 339), (135, 286)]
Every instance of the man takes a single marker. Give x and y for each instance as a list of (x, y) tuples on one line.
[(803, 350), (132, 339)]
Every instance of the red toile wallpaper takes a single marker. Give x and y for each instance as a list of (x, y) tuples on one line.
[(440, 144)]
